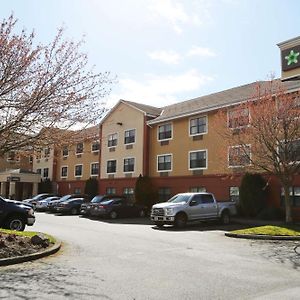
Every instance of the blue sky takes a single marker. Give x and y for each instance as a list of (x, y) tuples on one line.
[(166, 51)]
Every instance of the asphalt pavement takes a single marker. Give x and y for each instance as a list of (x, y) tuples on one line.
[(132, 259)]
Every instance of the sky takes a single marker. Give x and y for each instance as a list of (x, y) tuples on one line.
[(166, 51)]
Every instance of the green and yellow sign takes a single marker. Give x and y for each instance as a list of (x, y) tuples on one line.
[(290, 58)]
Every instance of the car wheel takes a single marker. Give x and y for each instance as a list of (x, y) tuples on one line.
[(15, 223), (113, 215), (74, 211), (225, 217), (180, 220), (142, 213)]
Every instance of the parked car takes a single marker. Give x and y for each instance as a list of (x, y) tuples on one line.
[(37, 198), (117, 207), (52, 205), (71, 206), (43, 204), (86, 207), (189, 207), (15, 215)]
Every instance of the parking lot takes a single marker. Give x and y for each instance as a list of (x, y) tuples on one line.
[(132, 259)]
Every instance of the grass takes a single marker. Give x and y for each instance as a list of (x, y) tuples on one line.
[(27, 234), (291, 230)]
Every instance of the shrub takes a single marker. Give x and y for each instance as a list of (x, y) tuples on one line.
[(45, 186), (271, 213), (253, 194), (91, 187), (144, 191)]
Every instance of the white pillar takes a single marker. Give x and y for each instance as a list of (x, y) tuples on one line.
[(3, 189), (12, 190), (35, 188)]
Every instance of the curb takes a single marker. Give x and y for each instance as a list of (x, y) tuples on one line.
[(263, 237), (20, 259)]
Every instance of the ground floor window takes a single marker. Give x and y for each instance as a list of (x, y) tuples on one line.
[(294, 196), (129, 193), (234, 194), (197, 189), (77, 191), (164, 194), (110, 191)]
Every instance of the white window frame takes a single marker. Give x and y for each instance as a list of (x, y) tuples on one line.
[(197, 117), (92, 163), (239, 166), (135, 131), (206, 159), (126, 172), (81, 170), (238, 127), (117, 138), (167, 139), (44, 172), (165, 154), (62, 151), (79, 153), (61, 171), (93, 143), (107, 166)]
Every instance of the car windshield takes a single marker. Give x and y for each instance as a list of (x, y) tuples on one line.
[(108, 202), (179, 198), (40, 196), (97, 199), (64, 198)]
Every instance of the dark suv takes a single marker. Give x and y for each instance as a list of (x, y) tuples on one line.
[(52, 205), (15, 215), (118, 207), (86, 207)]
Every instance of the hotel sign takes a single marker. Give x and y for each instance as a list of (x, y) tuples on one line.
[(13, 178), (290, 58)]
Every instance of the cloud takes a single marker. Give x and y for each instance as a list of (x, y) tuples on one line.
[(201, 51), (159, 90), (174, 13), (169, 57)]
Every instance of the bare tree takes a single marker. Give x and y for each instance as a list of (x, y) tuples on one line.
[(45, 89), (263, 135)]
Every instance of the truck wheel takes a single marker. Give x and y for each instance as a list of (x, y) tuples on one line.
[(15, 223), (225, 217), (180, 220)]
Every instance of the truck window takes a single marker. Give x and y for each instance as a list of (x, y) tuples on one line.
[(207, 199), (196, 200)]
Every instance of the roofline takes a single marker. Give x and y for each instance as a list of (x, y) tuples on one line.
[(289, 43), (212, 108)]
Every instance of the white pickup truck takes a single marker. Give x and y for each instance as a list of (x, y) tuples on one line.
[(190, 207)]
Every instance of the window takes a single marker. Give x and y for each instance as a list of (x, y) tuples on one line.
[(64, 172), (197, 190), (239, 156), (294, 196), (198, 160), (164, 162), (78, 170), (77, 191), (164, 194), (39, 171), (290, 151), (65, 151), (164, 132), (207, 199), (110, 191), (238, 118), (79, 148), (47, 152), (129, 193), (128, 165), (234, 194), (129, 137), (112, 140), (95, 146), (198, 125), (111, 166), (13, 156), (46, 172), (94, 168)]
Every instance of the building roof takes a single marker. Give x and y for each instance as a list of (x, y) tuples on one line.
[(216, 100), (149, 110)]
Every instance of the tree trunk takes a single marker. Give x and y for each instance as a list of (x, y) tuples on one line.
[(288, 211)]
